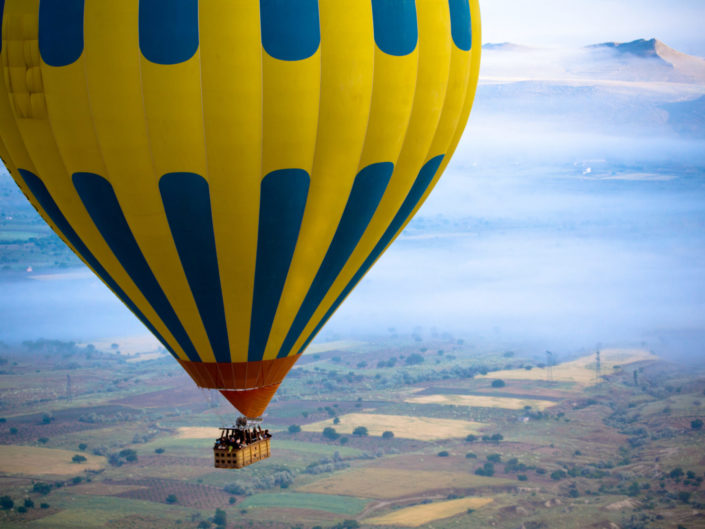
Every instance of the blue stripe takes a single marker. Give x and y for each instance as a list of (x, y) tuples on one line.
[(395, 28), (102, 205), (188, 209), (290, 29), (460, 23), (60, 31), (2, 14), (168, 30), (423, 180), (366, 193), (282, 204), (42, 196)]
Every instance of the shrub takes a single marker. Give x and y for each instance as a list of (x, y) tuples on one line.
[(129, 455), (499, 383), (557, 475), (43, 440), (443, 453), (486, 470), (22, 509), (294, 428), (344, 440), (6, 503), (41, 488), (522, 477), (28, 503), (220, 518), (360, 431), (684, 496), (76, 480), (471, 438), (82, 446), (336, 420), (697, 424), (158, 450), (330, 433), (414, 359), (43, 505), (171, 498), (231, 500), (13, 431), (387, 435), (495, 458), (242, 489), (78, 458), (470, 455)]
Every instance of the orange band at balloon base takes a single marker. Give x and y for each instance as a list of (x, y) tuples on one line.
[(249, 386)]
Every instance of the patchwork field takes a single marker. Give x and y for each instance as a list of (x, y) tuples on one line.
[(422, 514), (581, 371), (38, 461), (386, 483), (319, 502), (423, 428), (480, 401)]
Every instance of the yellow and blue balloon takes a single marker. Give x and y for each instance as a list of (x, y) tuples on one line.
[(231, 169)]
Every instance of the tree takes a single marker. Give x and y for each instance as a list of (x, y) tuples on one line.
[(158, 450), (499, 383), (171, 498), (41, 488), (330, 433), (360, 431), (387, 434), (414, 359), (82, 446), (220, 518), (557, 475), (294, 428), (443, 453), (471, 438), (336, 420), (78, 459), (6, 503), (697, 424), (129, 455), (495, 458), (28, 503)]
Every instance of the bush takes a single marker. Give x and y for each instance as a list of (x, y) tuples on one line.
[(128, 455), (82, 446), (498, 383), (220, 518), (232, 500), (414, 359), (241, 489), (28, 503), (22, 509), (486, 470), (443, 453), (171, 498), (330, 433), (360, 431), (697, 424), (470, 455), (76, 480), (522, 477), (41, 488), (43, 505), (495, 458), (158, 450), (13, 431), (6, 503), (387, 435), (684, 496), (344, 440), (43, 440), (294, 428), (203, 524), (471, 438), (557, 475), (78, 458)]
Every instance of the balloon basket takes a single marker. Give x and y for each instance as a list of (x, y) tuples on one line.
[(242, 445)]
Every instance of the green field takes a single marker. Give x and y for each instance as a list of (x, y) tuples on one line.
[(319, 502)]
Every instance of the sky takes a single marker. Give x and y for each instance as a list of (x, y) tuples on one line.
[(678, 23)]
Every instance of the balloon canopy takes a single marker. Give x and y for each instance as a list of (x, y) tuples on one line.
[(231, 169)]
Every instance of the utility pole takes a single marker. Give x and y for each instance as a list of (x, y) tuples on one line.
[(598, 367)]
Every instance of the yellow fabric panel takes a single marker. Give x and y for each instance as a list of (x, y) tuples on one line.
[(232, 107), (347, 46)]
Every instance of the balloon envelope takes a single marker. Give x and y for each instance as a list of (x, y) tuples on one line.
[(231, 168)]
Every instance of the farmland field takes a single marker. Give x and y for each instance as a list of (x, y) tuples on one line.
[(457, 443), (37, 461), (429, 512), (424, 428)]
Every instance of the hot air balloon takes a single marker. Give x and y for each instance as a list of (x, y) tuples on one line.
[(231, 169)]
